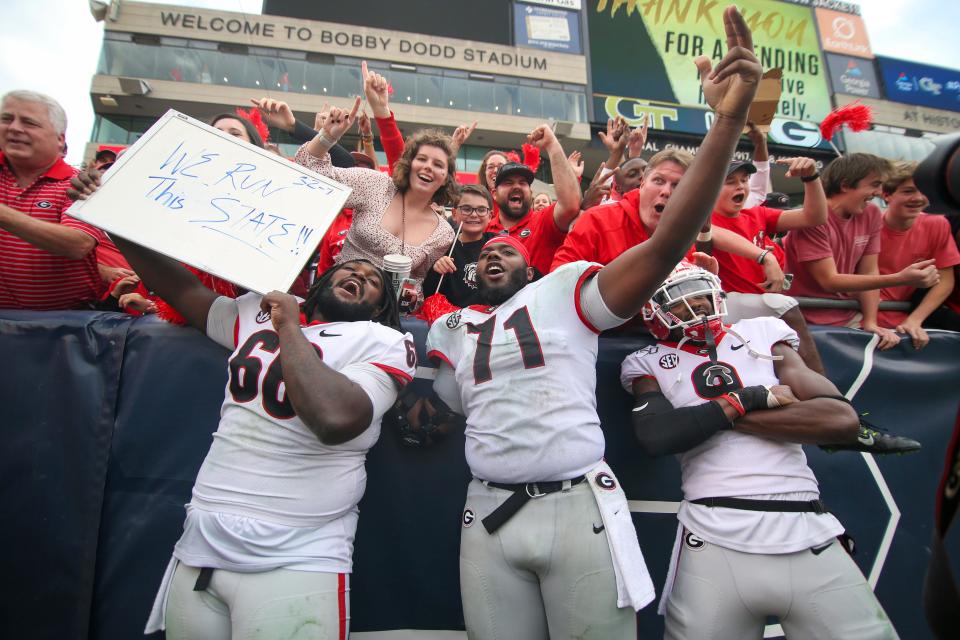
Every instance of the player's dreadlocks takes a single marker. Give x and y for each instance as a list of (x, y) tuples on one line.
[(388, 315)]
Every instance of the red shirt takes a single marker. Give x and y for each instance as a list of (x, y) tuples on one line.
[(929, 237), (31, 278), (846, 240), (539, 233), (758, 225), (603, 232), (332, 243)]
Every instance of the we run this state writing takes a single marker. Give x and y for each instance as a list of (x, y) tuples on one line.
[(232, 199)]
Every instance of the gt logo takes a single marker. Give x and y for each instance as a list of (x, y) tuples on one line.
[(692, 542), (263, 317), (468, 517), (669, 361), (606, 481)]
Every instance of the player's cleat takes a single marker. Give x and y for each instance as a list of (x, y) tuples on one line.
[(876, 442)]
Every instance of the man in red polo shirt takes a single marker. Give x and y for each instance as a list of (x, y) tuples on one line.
[(604, 232), (48, 258), (541, 232)]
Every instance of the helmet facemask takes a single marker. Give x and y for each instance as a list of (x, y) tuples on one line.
[(686, 282)]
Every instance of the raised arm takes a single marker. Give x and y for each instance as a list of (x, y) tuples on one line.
[(627, 282), (171, 281), (814, 210), (564, 179)]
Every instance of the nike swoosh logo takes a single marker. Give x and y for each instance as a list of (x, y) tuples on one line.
[(597, 529), (734, 348), (818, 550), (641, 407), (866, 439), (323, 334)]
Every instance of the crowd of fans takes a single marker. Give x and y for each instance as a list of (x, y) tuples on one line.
[(838, 246)]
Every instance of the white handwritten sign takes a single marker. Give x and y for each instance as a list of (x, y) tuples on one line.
[(222, 205)]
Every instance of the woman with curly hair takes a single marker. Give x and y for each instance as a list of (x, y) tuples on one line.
[(392, 215)]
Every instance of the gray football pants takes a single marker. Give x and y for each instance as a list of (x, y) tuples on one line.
[(545, 573), (721, 594)]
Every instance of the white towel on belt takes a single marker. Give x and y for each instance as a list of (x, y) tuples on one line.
[(634, 587), (156, 620)]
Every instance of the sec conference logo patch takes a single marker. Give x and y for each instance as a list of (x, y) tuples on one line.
[(469, 517), (669, 361), (263, 317), (453, 320)]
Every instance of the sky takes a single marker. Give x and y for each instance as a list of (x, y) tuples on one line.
[(53, 46)]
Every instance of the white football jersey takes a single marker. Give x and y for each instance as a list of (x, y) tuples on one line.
[(732, 463), (729, 463), (526, 374), (264, 462)]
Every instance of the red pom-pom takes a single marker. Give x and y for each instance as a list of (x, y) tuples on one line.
[(857, 116), (512, 156), (434, 307), (389, 89), (253, 117), (531, 156)]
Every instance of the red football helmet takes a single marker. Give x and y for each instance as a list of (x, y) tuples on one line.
[(685, 281)]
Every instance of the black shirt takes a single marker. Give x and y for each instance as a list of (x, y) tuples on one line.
[(460, 287)]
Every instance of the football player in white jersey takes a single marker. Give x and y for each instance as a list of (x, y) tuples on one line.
[(268, 540), (548, 547), (736, 403)]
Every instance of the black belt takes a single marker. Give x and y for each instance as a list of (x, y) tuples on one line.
[(790, 506), (522, 493), (203, 579)]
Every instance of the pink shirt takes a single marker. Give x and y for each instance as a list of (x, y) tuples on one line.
[(929, 237), (846, 240)]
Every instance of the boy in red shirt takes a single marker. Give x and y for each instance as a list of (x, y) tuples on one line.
[(742, 277), (838, 260), (910, 236)]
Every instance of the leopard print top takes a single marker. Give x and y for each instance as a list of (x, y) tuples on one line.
[(372, 193)]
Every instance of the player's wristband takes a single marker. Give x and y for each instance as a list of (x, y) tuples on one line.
[(734, 402), (815, 176), (763, 254), (705, 236), (753, 398)]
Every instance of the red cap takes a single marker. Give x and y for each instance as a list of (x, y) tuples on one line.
[(513, 242)]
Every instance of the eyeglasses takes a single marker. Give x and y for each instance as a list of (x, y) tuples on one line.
[(467, 210)]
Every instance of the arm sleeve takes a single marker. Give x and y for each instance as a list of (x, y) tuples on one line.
[(595, 309), (376, 383), (390, 139), (222, 322), (90, 230), (661, 429), (445, 386), (758, 184)]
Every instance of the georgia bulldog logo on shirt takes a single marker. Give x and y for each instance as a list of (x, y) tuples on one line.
[(759, 239), (714, 379), (470, 275)]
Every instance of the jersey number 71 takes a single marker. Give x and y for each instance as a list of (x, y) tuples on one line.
[(518, 322)]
